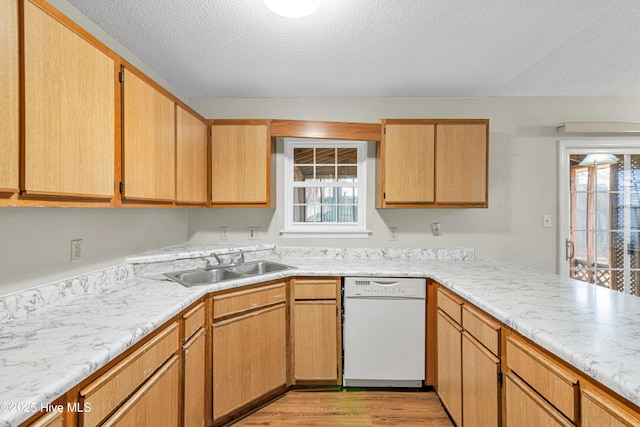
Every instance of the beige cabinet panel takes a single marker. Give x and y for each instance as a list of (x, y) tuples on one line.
[(461, 163), (194, 352), (315, 343), (240, 164), (249, 358), (601, 411), (450, 366), (408, 163), (10, 105), (191, 158), (52, 419), (149, 141), (69, 111), (481, 389), (155, 403), (525, 408)]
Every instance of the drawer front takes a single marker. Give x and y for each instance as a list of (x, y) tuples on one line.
[(524, 408), (193, 320), (316, 289), (238, 302), (482, 328), (111, 389), (450, 304), (554, 383), (52, 419)]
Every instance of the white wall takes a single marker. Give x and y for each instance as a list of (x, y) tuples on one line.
[(522, 172), (35, 243)]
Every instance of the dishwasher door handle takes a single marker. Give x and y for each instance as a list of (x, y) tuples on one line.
[(385, 282)]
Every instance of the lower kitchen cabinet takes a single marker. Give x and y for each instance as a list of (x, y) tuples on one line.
[(481, 388), (194, 387), (52, 419), (450, 366), (249, 351), (143, 387), (599, 410), (316, 331), (525, 408)]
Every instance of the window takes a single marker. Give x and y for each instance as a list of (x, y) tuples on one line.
[(325, 188), (600, 211)]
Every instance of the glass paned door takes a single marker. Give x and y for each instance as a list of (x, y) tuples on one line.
[(602, 246)]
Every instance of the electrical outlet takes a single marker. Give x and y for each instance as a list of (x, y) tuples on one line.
[(436, 229), (254, 233), (393, 233), (224, 233), (546, 221), (76, 250)]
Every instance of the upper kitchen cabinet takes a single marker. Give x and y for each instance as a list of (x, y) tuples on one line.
[(429, 163), (69, 111), (10, 105), (241, 163), (148, 149), (191, 158)]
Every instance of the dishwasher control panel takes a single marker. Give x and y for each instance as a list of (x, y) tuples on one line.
[(394, 288)]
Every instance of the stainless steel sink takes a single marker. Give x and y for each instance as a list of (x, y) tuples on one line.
[(258, 267), (205, 276)]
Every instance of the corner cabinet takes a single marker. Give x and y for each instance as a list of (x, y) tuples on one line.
[(148, 152), (241, 169), (69, 111), (10, 105), (432, 163)]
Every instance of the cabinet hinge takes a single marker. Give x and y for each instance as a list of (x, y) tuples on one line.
[(499, 377), (384, 195), (384, 130), (121, 76), (121, 187), (210, 130)]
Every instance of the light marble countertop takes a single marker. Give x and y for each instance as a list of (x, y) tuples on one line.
[(44, 354)]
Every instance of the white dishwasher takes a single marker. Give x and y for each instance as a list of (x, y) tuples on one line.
[(384, 332)]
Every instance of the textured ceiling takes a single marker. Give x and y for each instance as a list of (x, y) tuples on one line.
[(383, 48)]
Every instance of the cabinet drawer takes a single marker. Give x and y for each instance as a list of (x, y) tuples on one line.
[(450, 304), (546, 377), (482, 328), (524, 408), (52, 419), (315, 289), (193, 320), (237, 302), (107, 392)]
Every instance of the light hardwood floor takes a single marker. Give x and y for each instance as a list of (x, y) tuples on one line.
[(352, 409)]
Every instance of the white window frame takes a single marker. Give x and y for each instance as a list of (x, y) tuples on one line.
[(325, 230)]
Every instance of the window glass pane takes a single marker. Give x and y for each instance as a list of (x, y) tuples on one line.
[(634, 250), (582, 180), (347, 213), (326, 173), (347, 195), (312, 214), (302, 156), (299, 213), (325, 156), (328, 213), (302, 173), (347, 156), (347, 173), (634, 282), (328, 195)]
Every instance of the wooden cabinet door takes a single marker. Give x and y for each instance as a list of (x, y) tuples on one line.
[(69, 106), (240, 164), (315, 341), (149, 142), (481, 389), (525, 408), (10, 105), (249, 358), (194, 352), (407, 163), (191, 158), (461, 163), (155, 403), (600, 411), (450, 366), (52, 419)]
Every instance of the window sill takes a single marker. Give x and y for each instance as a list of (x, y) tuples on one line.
[(325, 234)]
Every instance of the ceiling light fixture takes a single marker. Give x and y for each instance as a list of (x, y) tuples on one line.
[(292, 8)]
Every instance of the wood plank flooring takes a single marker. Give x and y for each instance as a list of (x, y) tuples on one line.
[(351, 409)]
